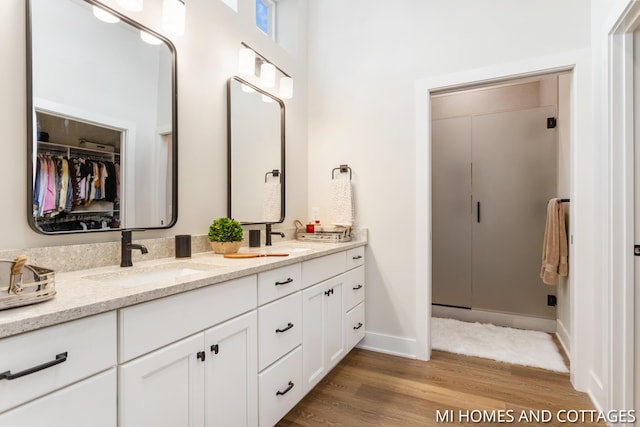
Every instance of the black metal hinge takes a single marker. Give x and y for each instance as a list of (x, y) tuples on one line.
[(551, 122), (636, 250)]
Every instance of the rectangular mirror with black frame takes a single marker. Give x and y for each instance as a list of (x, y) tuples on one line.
[(102, 148), (256, 150)]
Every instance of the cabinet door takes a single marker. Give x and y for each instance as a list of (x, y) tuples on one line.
[(91, 402), (164, 388), (231, 375), (323, 330)]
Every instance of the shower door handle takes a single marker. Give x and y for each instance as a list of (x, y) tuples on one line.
[(478, 212)]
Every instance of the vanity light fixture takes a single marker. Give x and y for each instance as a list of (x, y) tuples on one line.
[(149, 38), (251, 63), (132, 5), (267, 75), (246, 61), (173, 12), (104, 16), (285, 91)]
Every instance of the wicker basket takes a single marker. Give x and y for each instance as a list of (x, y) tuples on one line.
[(32, 285)]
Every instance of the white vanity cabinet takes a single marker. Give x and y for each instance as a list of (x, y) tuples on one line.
[(279, 342), (354, 290), (209, 377), (323, 342), (60, 376), (329, 311)]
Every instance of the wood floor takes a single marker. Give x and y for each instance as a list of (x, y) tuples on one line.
[(374, 389)]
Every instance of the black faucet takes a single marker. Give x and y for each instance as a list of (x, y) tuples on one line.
[(269, 233), (125, 260)]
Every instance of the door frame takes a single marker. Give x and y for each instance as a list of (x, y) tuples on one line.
[(621, 308), (578, 62)]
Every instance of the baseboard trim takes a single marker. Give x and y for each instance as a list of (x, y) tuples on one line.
[(596, 391), (497, 318), (564, 337), (389, 344)]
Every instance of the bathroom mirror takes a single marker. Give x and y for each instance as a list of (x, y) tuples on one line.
[(256, 138), (102, 144)]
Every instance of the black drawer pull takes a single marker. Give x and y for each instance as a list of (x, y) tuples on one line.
[(357, 287), (357, 257), (359, 326), (214, 348), (289, 326), (62, 357), (286, 390), (289, 280), (201, 355)]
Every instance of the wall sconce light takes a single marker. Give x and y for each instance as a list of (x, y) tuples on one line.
[(267, 75), (285, 90), (246, 61), (104, 16), (252, 63), (132, 5), (173, 17), (149, 38)]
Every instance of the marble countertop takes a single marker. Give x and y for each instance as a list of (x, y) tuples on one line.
[(87, 292)]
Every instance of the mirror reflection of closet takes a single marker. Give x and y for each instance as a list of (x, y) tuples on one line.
[(102, 127), (256, 154)]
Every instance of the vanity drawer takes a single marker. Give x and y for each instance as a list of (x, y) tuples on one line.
[(280, 282), (355, 257), (279, 329), (355, 326), (354, 288), (280, 388), (151, 325), (91, 402), (319, 269), (90, 347)]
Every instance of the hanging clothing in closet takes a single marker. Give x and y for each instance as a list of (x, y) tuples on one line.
[(62, 184)]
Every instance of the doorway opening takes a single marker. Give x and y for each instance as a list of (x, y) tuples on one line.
[(499, 153)]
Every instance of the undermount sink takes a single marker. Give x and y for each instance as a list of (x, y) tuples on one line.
[(143, 275)]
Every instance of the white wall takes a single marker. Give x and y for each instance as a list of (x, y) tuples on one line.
[(207, 57), (364, 58)]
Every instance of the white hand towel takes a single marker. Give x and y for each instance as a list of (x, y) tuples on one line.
[(271, 201), (342, 210)]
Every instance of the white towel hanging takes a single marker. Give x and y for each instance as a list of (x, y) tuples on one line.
[(271, 201), (342, 209)]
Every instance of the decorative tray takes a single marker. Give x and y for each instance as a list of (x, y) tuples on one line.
[(335, 235), (23, 284)]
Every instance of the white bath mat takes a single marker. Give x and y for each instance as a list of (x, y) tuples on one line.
[(529, 348)]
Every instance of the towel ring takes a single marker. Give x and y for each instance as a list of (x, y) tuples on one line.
[(342, 169), (275, 173)]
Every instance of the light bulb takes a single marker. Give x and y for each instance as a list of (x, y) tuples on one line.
[(173, 17), (246, 61), (267, 75), (132, 5), (104, 16), (286, 87)]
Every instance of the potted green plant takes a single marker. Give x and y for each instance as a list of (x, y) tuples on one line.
[(225, 235)]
